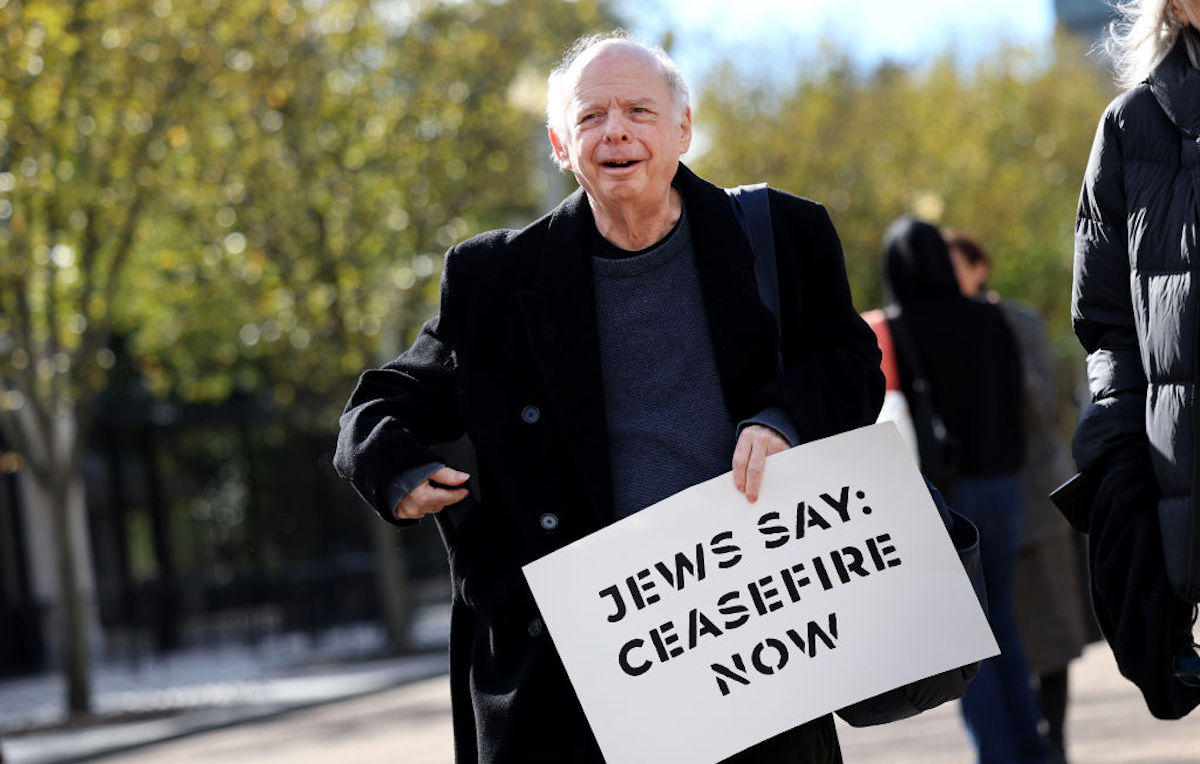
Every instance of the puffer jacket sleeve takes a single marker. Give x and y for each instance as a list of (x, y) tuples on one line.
[(398, 410), (1102, 310)]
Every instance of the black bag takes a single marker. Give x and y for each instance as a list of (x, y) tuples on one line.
[(752, 208), (1075, 498), (939, 451)]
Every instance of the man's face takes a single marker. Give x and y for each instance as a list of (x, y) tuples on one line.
[(623, 136), (971, 276)]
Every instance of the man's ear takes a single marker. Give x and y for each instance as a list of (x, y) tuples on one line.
[(685, 129), (560, 151)]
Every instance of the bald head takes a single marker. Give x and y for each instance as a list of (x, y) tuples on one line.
[(583, 53)]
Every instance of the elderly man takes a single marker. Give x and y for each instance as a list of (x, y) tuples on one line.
[(608, 355)]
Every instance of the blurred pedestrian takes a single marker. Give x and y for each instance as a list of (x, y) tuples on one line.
[(963, 353), (1135, 310), (1047, 599), (608, 355)]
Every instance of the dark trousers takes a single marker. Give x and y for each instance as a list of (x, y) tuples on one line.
[(999, 707)]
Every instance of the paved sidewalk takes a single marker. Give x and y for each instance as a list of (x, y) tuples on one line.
[(205, 689), (259, 699), (1107, 725)]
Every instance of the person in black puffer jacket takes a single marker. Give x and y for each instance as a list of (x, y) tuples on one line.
[(1135, 310)]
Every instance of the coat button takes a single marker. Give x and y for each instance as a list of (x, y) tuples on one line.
[(549, 521), (535, 627), (530, 414)]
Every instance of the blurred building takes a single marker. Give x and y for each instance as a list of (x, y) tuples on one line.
[(1087, 18)]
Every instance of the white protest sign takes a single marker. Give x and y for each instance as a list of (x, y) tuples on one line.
[(704, 624)]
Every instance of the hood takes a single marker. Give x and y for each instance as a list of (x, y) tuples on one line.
[(917, 261)]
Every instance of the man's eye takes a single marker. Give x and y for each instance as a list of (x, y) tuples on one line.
[(592, 116)]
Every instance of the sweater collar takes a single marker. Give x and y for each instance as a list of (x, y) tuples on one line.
[(558, 309)]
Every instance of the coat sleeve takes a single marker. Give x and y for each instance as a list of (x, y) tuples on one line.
[(1038, 389), (831, 381), (397, 411), (1102, 305)]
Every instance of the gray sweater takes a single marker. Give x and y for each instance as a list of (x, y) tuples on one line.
[(668, 426)]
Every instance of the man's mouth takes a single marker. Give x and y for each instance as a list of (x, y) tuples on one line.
[(618, 163)]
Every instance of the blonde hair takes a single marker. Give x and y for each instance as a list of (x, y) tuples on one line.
[(1143, 34)]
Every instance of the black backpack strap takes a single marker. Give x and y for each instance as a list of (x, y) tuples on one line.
[(938, 448), (752, 208), (904, 343)]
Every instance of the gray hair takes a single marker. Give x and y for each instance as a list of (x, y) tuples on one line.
[(1143, 34), (561, 79)]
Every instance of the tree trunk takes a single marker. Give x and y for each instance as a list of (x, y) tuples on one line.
[(392, 584), (72, 625), (166, 596)]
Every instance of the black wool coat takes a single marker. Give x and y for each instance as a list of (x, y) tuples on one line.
[(512, 360)]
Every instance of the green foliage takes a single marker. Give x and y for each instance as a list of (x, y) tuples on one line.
[(256, 193), (998, 152), (357, 156)]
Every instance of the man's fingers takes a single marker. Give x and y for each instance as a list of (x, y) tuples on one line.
[(754, 445), (414, 509), (427, 499), (741, 457), (754, 469), (449, 476)]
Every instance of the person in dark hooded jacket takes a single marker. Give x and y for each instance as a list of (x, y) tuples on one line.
[(1134, 307), (967, 356)]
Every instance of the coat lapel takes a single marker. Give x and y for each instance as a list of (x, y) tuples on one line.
[(558, 310), (744, 333), (560, 322)]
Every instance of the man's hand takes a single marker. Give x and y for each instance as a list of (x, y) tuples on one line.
[(429, 499), (754, 445)]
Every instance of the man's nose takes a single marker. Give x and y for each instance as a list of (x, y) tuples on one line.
[(616, 129)]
